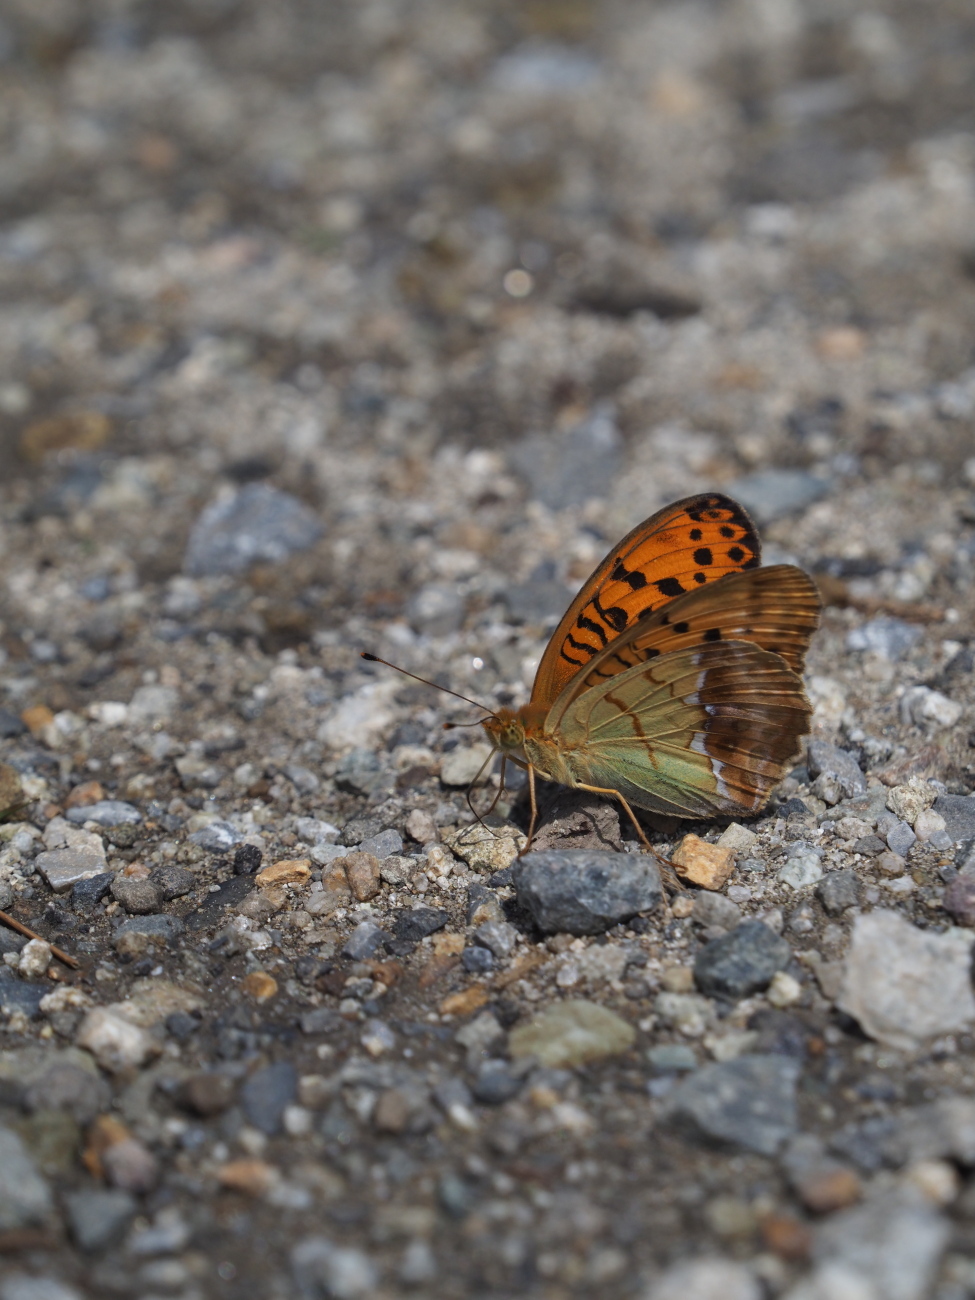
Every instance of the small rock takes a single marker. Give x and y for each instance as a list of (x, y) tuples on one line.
[(496, 1084), (900, 838), (139, 897), (482, 905), (91, 890), (707, 1279), (260, 986), (415, 924), (377, 1038), (838, 770), (891, 638), (585, 892), (107, 812), (903, 984), (321, 1268), (893, 1241), (959, 900), (907, 801), (252, 1177), (68, 1086), (890, 864), (784, 990), (130, 1166), (715, 910), (688, 1012), (115, 1043), (173, 881), (397, 870), (266, 1093), (208, 1093), (498, 936), (742, 962), (485, 849), (571, 1033), (383, 845), (162, 928), (437, 609), (290, 871), (477, 961), (257, 524), (703, 864), (930, 829), (311, 830), (364, 940), (803, 866), (749, 1102), (360, 772), (920, 705), (98, 1219), (85, 794), (672, 1058), (837, 891), (393, 1111), (739, 839), (578, 463), (218, 837), (247, 860), (958, 812), (24, 1195), (421, 827), (35, 957), (72, 854), (464, 765), (362, 873)]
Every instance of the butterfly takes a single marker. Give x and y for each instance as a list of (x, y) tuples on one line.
[(672, 684)]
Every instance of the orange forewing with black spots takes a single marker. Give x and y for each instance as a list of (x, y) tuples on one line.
[(678, 550)]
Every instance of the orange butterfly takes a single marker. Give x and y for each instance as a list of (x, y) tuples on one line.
[(672, 683)]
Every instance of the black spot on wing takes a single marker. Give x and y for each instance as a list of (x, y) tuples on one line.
[(703, 557), (590, 626), (681, 627), (736, 554), (700, 577), (696, 534), (713, 634), (634, 578), (726, 530), (651, 653), (669, 587)]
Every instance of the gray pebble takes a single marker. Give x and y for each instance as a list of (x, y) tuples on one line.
[(257, 524), (837, 891), (10, 941), (580, 463), (98, 1218), (773, 493), (901, 839), (173, 881), (164, 925), (18, 994), (383, 845), (139, 897), (496, 1084), (86, 893), (585, 892), (836, 765), (266, 1093), (107, 812), (711, 909), (672, 1058), (959, 814), (364, 940), (321, 1268), (477, 960), (742, 962), (749, 1102), (360, 772), (437, 609), (24, 1195), (498, 936), (218, 837), (894, 1240), (68, 1087)]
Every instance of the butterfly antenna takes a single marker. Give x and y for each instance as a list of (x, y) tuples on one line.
[(374, 659)]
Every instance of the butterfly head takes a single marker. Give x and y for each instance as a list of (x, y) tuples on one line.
[(508, 727)]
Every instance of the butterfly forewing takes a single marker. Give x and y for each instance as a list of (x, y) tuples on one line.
[(702, 731), (777, 608), (680, 549)]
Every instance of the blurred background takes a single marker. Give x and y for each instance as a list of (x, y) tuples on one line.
[(437, 300)]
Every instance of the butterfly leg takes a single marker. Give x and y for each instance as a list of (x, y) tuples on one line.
[(534, 807), (667, 867), (490, 809)]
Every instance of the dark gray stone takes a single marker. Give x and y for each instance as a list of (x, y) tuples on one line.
[(417, 923), (836, 766), (137, 896), (585, 892), (10, 941), (383, 845), (267, 1092), (17, 994), (771, 494), (173, 881), (164, 925), (741, 962), (900, 838), (959, 899), (211, 910), (107, 812), (364, 941), (86, 893), (498, 936), (958, 810), (477, 961), (322, 1020), (749, 1102), (869, 846), (838, 890), (247, 860), (496, 1084), (259, 524), (566, 468), (98, 1218), (360, 772)]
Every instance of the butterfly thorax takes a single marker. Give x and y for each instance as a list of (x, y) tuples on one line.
[(521, 734)]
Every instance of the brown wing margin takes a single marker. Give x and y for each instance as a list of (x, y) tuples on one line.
[(679, 549)]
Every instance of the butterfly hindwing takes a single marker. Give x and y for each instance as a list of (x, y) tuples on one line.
[(698, 732), (777, 608), (680, 549)]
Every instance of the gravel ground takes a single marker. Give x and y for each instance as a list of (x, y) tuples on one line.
[(372, 326)]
